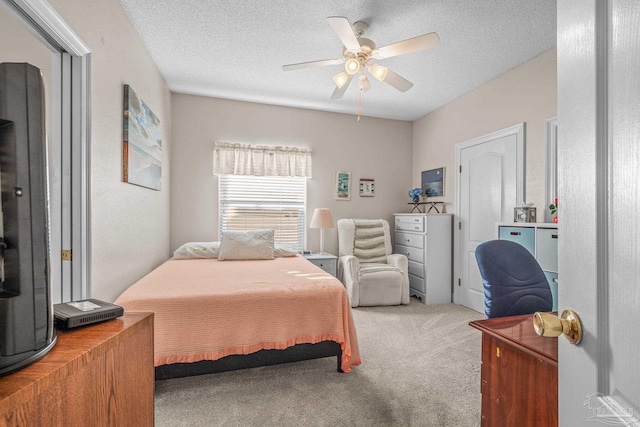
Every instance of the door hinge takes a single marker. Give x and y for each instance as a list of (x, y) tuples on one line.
[(460, 168), (66, 255), (459, 225), (459, 282)]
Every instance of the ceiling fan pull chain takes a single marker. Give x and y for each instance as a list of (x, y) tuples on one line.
[(359, 104)]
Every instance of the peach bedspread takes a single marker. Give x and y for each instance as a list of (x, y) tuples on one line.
[(206, 309)]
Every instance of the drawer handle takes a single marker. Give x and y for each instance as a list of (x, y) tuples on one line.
[(515, 233), (407, 253), (416, 220), (417, 228), (554, 236), (407, 240)]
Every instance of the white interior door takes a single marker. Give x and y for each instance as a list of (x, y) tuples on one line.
[(490, 184), (599, 198)]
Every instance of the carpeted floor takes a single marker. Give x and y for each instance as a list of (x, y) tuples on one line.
[(421, 367)]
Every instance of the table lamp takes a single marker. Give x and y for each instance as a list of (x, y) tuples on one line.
[(321, 219)]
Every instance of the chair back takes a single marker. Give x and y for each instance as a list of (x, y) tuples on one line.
[(347, 234), (513, 281)]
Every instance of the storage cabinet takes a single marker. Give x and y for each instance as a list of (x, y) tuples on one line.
[(426, 241), (541, 240), (97, 375), (519, 374), (325, 261)]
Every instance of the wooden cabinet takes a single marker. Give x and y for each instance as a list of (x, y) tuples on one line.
[(541, 240), (426, 240), (519, 374), (99, 375)]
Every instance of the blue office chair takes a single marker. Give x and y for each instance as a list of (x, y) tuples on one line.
[(513, 280)]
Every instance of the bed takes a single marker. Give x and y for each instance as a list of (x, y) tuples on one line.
[(212, 315)]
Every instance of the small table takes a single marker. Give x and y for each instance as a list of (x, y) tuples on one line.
[(432, 206), (325, 261)]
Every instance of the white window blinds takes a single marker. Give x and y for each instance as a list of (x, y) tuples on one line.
[(264, 202), (260, 160)]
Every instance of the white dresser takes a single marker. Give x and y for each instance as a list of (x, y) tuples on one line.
[(426, 240)]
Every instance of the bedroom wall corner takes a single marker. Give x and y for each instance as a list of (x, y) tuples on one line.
[(373, 148), (129, 224), (527, 93)]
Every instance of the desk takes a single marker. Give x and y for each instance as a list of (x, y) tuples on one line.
[(519, 376), (98, 375)]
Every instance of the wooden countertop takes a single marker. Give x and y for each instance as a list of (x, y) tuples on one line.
[(75, 349), (519, 331)]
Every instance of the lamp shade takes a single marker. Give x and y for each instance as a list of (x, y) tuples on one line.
[(321, 218)]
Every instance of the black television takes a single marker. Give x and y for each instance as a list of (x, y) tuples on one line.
[(27, 331)]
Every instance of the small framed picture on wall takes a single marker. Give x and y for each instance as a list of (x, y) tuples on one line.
[(433, 182), (367, 187), (343, 183)]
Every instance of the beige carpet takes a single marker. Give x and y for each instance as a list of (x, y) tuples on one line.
[(421, 367)]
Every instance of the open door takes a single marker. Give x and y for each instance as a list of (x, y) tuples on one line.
[(599, 195)]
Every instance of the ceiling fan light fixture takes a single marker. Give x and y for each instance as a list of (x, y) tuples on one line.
[(365, 85), (340, 79), (378, 71), (352, 66)]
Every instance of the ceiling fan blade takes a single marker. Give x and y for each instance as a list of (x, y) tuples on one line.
[(425, 41), (310, 64), (339, 91), (398, 81), (342, 27)]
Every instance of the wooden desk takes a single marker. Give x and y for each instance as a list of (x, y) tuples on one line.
[(519, 377), (99, 375)]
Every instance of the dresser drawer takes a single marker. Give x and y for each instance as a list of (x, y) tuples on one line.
[(525, 236), (410, 222), (414, 254), (416, 268), (417, 283), (405, 226), (407, 239), (547, 248)]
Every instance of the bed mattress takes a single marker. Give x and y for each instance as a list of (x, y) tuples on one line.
[(205, 309)]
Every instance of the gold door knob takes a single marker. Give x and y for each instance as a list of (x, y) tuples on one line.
[(550, 325)]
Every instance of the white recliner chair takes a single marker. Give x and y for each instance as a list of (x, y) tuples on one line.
[(369, 271)]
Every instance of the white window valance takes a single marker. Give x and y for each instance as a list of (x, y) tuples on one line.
[(260, 160)]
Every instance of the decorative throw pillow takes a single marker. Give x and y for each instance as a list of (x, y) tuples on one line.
[(193, 250), (241, 245), (368, 242)]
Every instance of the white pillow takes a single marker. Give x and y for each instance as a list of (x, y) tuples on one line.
[(240, 245), (197, 250), (283, 250)]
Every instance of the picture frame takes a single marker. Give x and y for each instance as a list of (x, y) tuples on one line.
[(343, 184), (433, 182), (367, 187), (141, 143)]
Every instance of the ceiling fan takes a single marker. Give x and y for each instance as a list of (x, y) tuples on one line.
[(359, 54)]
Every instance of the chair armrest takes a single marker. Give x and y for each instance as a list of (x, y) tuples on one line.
[(402, 262), (348, 269)]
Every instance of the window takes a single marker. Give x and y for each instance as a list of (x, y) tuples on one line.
[(264, 202)]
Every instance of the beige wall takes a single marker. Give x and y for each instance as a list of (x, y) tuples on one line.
[(374, 148), (525, 94), (129, 224)]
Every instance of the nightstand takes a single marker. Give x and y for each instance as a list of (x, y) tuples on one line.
[(327, 262)]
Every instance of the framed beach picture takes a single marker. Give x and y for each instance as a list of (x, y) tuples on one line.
[(367, 187), (433, 182), (343, 182), (141, 143)]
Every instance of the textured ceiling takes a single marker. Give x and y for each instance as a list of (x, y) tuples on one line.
[(235, 49)]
